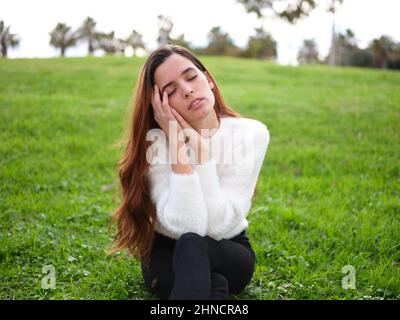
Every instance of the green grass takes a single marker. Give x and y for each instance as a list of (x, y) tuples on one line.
[(328, 194)]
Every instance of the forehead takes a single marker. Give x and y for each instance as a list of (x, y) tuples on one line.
[(171, 69)]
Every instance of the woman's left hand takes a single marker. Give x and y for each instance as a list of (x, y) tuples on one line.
[(193, 138)]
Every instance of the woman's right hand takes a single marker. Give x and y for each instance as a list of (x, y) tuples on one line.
[(163, 115), (162, 112)]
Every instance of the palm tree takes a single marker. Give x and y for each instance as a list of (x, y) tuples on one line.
[(135, 41), (112, 45), (332, 8), (7, 39), (88, 32), (343, 47), (181, 41), (62, 37), (165, 25)]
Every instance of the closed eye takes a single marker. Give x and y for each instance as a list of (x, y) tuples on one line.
[(170, 94)]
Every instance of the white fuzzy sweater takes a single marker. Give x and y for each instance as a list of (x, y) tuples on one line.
[(215, 199)]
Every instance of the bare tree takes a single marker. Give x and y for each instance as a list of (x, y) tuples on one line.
[(62, 37), (7, 39)]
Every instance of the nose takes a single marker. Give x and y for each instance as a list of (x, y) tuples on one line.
[(188, 91)]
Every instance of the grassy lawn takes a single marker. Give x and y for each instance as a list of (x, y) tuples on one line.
[(328, 195)]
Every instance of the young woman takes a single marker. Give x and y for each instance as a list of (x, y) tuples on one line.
[(185, 198)]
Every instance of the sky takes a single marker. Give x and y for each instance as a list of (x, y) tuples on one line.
[(32, 20)]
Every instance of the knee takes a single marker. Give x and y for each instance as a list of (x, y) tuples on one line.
[(190, 242), (190, 237)]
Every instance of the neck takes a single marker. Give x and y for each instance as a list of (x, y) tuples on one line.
[(210, 122)]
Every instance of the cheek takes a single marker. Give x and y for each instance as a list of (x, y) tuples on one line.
[(210, 95), (177, 103), (208, 90), (212, 100)]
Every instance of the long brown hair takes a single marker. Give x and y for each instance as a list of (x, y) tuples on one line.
[(136, 215)]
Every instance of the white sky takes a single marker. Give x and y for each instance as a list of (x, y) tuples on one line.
[(32, 20)]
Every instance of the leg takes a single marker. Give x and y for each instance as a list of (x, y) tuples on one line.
[(219, 287), (159, 276), (234, 260), (226, 267), (191, 268)]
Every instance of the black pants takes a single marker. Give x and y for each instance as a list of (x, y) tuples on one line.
[(196, 267)]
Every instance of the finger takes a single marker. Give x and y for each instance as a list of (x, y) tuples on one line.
[(156, 97), (156, 93), (182, 121), (164, 103), (188, 131)]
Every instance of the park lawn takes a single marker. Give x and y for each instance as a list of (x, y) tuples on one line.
[(328, 194)]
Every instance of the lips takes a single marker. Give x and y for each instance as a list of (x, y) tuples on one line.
[(194, 102)]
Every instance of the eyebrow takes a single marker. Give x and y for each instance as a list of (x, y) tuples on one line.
[(183, 72)]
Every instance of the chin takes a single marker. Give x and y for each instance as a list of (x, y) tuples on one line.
[(204, 112)]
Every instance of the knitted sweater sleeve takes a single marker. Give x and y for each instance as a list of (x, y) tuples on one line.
[(228, 198), (178, 199)]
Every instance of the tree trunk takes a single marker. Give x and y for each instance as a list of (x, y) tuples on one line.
[(90, 49), (3, 50), (333, 52)]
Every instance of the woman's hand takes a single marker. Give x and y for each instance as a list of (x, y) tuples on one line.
[(162, 112), (164, 116), (193, 139)]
